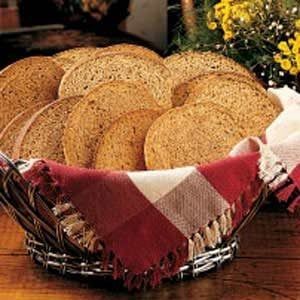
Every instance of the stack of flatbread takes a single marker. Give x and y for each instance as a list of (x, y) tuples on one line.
[(124, 107)]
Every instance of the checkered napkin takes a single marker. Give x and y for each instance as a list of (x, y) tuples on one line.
[(147, 224)]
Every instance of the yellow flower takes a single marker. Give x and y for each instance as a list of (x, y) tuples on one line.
[(228, 35), (229, 15), (297, 24), (294, 71), (291, 42), (212, 25), (298, 61), (286, 65), (295, 49), (284, 47)]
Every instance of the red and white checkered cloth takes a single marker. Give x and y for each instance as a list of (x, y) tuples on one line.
[(150, 223)]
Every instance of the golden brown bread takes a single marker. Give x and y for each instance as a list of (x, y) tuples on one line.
[(95, 113), (80, 79), (192, 134), (66, 59), (190, 64), (41, 136), (10, 133), (122, 146), (254, 108), (26, 83)]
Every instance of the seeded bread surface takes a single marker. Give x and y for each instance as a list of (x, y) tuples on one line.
[(190, 64)]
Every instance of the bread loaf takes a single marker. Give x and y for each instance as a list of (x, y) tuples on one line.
[(10, 133), (132, 49), (66, 59)]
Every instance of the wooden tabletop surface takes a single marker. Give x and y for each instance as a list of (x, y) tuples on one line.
[(267, 267)]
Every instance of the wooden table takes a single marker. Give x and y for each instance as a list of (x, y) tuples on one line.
[(267, 267)]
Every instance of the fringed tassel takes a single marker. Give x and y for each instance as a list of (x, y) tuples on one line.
[(211, 235), (275, 175), (199, 244), (271, 169), (216, 232), (39, 175), (61, 209), (208, 237), (295, 204), (289, 193), (229, 222), (167, 267), (238, 212), (191, 250), (223, 224)]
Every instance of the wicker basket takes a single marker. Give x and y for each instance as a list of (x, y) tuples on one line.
[(49, 245)]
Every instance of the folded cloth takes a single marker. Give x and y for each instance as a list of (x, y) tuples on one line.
[(146, 221), (149, 223)]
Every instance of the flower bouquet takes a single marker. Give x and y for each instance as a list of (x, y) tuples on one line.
[(263, 35)]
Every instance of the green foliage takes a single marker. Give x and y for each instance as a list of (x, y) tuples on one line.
[(253, 46)]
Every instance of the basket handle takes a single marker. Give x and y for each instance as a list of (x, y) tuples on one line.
[(189, 16)]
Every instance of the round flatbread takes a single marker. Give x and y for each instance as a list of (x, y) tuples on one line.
[(254, 108), (133, 49), (122, 146), (26, 83), (66, 59), (187, 65), (9, 134), (41, 136), (192, 134), (80, 79), (96, 112)]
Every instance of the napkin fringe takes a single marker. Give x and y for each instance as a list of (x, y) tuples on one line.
[(275, 175), (288, 192), (211, 235)]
